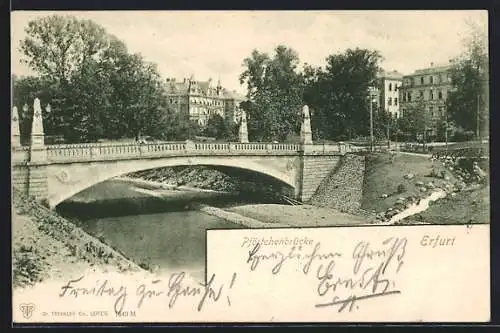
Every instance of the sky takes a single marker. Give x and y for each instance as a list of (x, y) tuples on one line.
[(213, 44)]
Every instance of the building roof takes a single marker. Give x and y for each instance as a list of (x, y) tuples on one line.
[(206, 88), (390, 75), (433, 68)]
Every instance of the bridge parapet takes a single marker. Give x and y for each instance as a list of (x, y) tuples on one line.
[(20, 155), (106, 151), (325, 149)]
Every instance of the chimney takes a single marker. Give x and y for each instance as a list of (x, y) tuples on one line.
[(432, 64)]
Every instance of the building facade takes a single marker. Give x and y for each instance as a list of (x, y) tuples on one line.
[(427, 89), (202, 99), (387, 92)]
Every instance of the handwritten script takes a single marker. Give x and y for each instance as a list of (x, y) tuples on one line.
[(171, 290), (371, 269)]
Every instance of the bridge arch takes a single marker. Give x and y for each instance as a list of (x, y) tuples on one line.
[(67, 180)]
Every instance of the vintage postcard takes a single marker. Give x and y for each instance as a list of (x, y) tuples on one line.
[(250, 166)]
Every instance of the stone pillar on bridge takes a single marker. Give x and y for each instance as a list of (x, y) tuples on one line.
[(37, 132), (14, 129), (305, 129), (243, 133), (38, 186)]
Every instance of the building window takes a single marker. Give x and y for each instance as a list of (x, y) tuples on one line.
[(422, 80), (395, 101), (431, 94), (440, 110), (431, 111), (389, 101), (440, 94), (409, 97), (431, 79), (421, 94), (390, 86)]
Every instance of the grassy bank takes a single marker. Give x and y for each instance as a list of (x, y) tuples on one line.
[(469, 206), (45, 245), (393, 179), (386, 179)]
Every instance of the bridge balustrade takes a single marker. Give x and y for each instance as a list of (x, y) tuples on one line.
[(106, 151)]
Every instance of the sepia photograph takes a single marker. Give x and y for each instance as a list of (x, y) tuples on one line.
[(135, 134)]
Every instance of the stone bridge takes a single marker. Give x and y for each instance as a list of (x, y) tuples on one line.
[(56, 172)]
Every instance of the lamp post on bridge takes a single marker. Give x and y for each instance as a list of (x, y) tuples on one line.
[(15, 132)]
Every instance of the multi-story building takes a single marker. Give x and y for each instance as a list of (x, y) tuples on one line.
[(387, 92), (427, 89), (202, 99)]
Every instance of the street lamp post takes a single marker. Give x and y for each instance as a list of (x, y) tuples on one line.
[(446, 128), (371, 117), (371, 123), (477, 118), (389, 121)]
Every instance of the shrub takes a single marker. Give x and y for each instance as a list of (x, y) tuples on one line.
[(434, 173), (401, 188), (27, 266)]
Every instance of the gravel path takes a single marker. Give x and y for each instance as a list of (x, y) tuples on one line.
[(298, 216)]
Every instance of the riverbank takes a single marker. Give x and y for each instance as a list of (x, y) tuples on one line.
[(151, 184), (298, 216), (266, 215), (402, 188), (221, 179), (470, 206), (46, 246)]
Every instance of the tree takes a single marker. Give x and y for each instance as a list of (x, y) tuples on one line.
[(382, 119), (338, 94), (217, 128), (468, 102), (415, 121), (57, 46), (178, 126), (274, 89), (95, 87)]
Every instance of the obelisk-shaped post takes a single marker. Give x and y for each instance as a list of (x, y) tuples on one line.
[(243, 133), (305, 129), (37, 132), (14, 128), (38, 185)]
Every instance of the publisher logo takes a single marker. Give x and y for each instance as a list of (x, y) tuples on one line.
[(27, 309)]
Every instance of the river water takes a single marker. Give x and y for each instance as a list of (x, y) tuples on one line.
[(162, 231)]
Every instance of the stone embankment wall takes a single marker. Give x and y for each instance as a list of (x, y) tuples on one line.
[(316, 169), (342, 189)]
